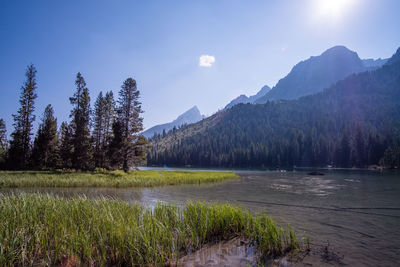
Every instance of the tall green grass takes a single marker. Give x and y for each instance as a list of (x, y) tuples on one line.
[(46, 230), (146, 178)]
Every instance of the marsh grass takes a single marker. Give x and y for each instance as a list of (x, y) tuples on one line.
[(147, 178), (40, 229)]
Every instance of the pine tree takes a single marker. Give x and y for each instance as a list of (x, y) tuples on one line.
[(115, 148), (99, 131), (3, 143), (81, 139), (343, 152), (44, 154), (102, 133), (109, 116), (141, 145), (20, 145), (360, 148), (389, 158), (132, 124), (3, 135), (65, 146)]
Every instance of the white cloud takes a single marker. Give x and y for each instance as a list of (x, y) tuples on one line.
[(206, 60)]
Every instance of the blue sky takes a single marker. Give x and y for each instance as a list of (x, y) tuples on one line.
[(159, 43)]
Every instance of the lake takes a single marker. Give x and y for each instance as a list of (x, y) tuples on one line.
[(353, 214)]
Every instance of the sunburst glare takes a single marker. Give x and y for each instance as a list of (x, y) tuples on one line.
[(332, 10)]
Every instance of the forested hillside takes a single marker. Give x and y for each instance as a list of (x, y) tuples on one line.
[(356, 122)]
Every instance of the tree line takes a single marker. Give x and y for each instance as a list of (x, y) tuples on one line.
[(107, 136), (355, 123)]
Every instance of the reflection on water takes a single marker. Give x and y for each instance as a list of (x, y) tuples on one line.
[(307, 185), (357, 212)]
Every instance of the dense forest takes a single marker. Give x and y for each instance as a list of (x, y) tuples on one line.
[(354, 123), (107, 136)]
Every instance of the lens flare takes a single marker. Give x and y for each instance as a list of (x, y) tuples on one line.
[(332, 9)]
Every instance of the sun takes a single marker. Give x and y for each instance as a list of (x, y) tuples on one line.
[(332, 9)]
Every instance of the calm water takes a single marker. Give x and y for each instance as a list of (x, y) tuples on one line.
[(357, 212)]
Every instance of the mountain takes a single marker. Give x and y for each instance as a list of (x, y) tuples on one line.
[(374, 63), (317, 73), (355, 122), (395, 58), (243, 99), (191, 116)]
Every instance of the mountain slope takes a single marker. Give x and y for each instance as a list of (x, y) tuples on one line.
[(317, 73), (395, 58), (374, 63), (356, 122), (243, 99), (190, 116)]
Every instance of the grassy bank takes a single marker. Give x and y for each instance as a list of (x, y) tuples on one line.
[(41, 229), (146, 178)]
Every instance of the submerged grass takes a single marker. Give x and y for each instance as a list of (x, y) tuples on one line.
[(137, 178), (46, 230)]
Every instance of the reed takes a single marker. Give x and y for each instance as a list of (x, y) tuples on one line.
[(147, 178), (38, 229)]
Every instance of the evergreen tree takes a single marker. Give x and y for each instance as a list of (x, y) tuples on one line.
[(102, 133), (65, 145), (3, 135), (81, 139), (141, 145), (132, 124), (44, 154), (360, 148), (115, 147), (109, 114), (389, 158), (99, 131), (20, 144), (3, 143)]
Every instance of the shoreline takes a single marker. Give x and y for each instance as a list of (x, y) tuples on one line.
[(217, 169), (115, 179)]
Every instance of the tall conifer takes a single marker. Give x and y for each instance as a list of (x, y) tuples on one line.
[(3, 143), (20, 145), (99, 131), (44, 154), (65, 146), (131, 122), (81, 139)]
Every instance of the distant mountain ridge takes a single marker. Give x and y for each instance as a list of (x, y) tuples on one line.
[(354, 122), (319, 72), (374, 63), (190, 116), (244, 99)]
